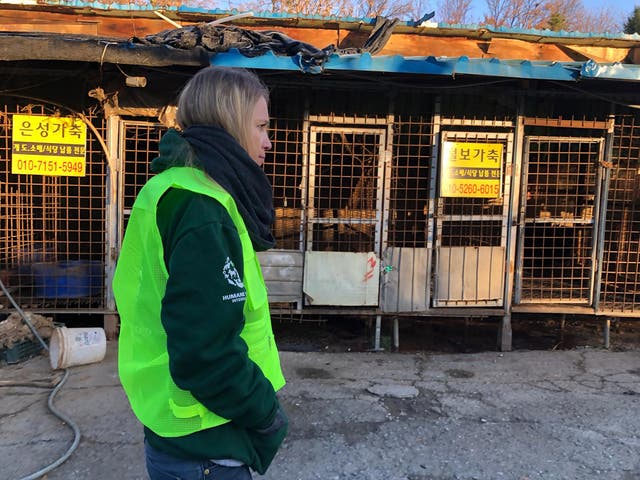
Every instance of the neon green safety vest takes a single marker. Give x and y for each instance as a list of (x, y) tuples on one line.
[(139, 284)]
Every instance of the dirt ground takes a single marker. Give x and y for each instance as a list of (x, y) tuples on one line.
[(454, 335), (522, 415), (342, 334), (448, 407)]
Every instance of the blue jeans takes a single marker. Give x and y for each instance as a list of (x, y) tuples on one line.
[(161, 466)]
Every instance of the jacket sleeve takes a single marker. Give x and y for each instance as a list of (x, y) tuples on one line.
[(202, 311)]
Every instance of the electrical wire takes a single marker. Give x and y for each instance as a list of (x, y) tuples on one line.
[(599, 97), (52, 407)]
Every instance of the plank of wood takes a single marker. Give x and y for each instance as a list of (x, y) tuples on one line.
[(278, 290)]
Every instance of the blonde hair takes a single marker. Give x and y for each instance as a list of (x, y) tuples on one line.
[(222, 97)]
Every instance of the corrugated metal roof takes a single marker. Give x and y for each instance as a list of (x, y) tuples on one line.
[(560, 71), (610, 71)]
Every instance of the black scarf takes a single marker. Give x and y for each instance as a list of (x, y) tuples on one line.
[(224, 160)]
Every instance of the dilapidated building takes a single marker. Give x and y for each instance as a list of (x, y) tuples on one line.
[(417, 170)]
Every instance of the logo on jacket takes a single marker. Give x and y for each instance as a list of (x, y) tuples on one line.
[(231, 274)]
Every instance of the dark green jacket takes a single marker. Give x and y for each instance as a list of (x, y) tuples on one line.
[(207, 356)]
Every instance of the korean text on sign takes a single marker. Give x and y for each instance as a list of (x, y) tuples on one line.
[(471, 170), (43, 145)]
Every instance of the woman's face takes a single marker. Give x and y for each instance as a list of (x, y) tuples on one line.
[(258, 137)]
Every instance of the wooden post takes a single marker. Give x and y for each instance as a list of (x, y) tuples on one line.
[(111, 323), (396, 334), (505, 334), (376, 340)]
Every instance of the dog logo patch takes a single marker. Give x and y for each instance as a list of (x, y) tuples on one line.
[(231, 274)]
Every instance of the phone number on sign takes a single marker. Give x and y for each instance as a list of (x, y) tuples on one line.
[(50, 167), (473, 189)]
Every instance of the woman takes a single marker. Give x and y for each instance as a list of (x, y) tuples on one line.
[(197, 358)]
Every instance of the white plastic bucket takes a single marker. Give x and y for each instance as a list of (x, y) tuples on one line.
[(76, 346)]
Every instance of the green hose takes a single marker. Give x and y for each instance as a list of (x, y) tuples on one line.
[(52, 408)]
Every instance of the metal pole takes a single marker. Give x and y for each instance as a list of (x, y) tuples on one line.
[(396, 334), (376, 342)]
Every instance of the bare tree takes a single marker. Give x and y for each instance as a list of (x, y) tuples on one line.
[(386, 8), (454, 11), (359, 8), (515, 13), (571, 15), (600, 21), (339, 8), (313, 7)]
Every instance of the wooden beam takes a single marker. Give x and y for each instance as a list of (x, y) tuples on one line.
[(600, 54), (567, 123), (15, 47), (505, 48)]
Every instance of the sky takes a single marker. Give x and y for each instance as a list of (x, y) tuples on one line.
[(625, 5), (622, 7)]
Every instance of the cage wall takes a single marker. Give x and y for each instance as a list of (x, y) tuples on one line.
[(409, 187), (50, 224), (52, 228), (620, 285), (284, 166), (410, 183)]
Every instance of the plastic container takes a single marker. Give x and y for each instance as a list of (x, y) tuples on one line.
[(21, 351), (69, 347), (67, 279)]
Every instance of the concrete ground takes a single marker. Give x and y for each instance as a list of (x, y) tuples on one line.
[(516, 416)]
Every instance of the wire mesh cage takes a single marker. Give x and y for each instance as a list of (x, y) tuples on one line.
[(284, 167), (620, 283), (410, 181), (562, 189), (348, 176), (345, 188), (53, 226), (139, 145)]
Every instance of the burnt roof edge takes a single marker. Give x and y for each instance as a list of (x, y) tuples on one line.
[(24, 46)]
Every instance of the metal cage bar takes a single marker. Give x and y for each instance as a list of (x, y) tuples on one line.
[(284, 165), (410, 181), (139, 144), (563, 184), (345, 188), (620, 278), (471, 228)]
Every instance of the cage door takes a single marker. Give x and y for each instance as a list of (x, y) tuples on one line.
[(558, 215), (344, 214), (471, 218)]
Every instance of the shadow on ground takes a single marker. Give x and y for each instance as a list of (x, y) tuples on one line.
[(453, 335)]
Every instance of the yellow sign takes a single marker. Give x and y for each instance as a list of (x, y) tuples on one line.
[(48, 145), (471, 170)]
